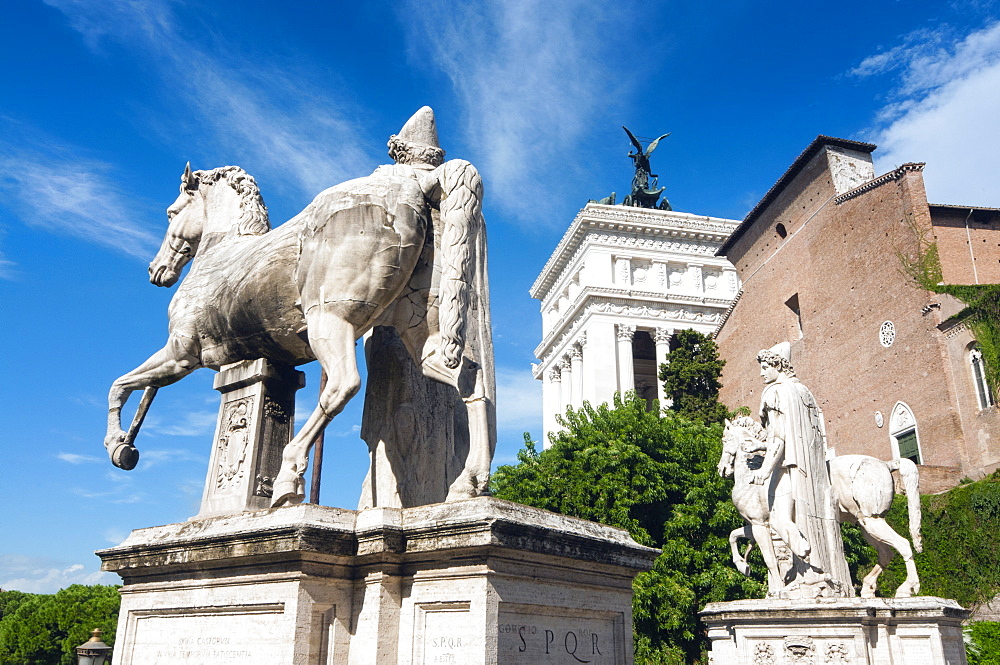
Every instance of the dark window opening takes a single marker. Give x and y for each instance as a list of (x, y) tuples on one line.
[(793, 304), (644, 367), (780, 229)]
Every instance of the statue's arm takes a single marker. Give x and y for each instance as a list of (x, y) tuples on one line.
[(774, 420), (460, 190)]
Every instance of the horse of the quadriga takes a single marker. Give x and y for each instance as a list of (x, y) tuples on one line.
[(311, 287), (863, 492)]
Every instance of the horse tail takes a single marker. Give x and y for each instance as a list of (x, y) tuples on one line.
[(462, 221), (911, 485)]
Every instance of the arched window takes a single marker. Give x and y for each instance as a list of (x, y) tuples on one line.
[(903, 433), (983, 393)]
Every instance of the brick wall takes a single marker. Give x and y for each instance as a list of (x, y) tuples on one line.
[(838, 262)]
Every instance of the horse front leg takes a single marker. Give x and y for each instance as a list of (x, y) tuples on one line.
[(332, 341), (168, 365), (740, 559)]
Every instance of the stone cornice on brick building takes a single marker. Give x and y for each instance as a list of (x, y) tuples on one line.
[(891, 176)]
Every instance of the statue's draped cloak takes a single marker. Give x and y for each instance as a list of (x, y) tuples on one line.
[(788, 410)]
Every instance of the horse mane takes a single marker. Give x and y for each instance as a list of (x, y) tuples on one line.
[(751, 425), (254, 219)]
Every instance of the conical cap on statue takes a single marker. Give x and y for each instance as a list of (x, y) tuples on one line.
[(783, 349), (421, 128)]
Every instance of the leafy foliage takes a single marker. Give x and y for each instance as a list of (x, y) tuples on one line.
[(983, 643), (982, 315), (45, 629), (654, 476), (691, 377)]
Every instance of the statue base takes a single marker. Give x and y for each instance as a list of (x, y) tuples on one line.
[(473, 581), (924, 630)]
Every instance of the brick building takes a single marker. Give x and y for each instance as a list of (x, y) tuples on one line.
[(819, 259)]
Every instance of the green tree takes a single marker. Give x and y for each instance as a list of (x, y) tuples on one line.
[(45, 629), (691, 377), (655, 476)]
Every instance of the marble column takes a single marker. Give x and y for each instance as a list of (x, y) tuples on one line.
[(566, 369), (576, 366), (661, 336), (626, 364), (551, 397)]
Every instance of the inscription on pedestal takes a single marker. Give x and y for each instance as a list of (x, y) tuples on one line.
[(446, 635), (530, 639), (917, 651), (208, 638)]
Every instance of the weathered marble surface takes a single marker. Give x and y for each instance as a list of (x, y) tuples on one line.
[(474, 581), (924, 630), (792, 492), (403, 247), (256, 419)]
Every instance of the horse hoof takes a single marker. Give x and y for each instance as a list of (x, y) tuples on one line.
[(287, 499), (287, 493), (125, 456)]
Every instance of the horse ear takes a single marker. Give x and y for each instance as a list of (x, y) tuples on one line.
[(186, 178), (728, 422)]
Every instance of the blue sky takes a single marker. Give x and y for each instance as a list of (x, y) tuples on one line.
[(101, 104)]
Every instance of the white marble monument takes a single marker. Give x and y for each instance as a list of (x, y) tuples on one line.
[(618, 285), (429, 569)]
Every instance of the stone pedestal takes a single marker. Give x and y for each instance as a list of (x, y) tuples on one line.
[(473, 582), (925, 630), (256, 420)]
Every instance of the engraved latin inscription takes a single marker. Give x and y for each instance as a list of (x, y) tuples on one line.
[(209, 638), (535, 638)]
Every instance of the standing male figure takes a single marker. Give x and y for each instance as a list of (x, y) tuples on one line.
[(802, 512)]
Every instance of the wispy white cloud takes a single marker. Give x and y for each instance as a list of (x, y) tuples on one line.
[(75, 458), (273, 118), (531, 77), (33, 574), (519, 400), (187, 423), (944, 111), (50, 186), (116, 487), (155, 457)]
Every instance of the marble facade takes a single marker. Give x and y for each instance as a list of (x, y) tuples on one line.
[(618, 285)]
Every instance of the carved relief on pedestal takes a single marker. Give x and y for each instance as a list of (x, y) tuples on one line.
[(837, 653), (763, 654), (799, 650), (234, 443)]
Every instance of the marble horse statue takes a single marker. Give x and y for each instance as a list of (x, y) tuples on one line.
[(863, 492), (308, 289)]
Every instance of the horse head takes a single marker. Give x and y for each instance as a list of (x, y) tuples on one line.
[(203, 215), (736, 436)]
